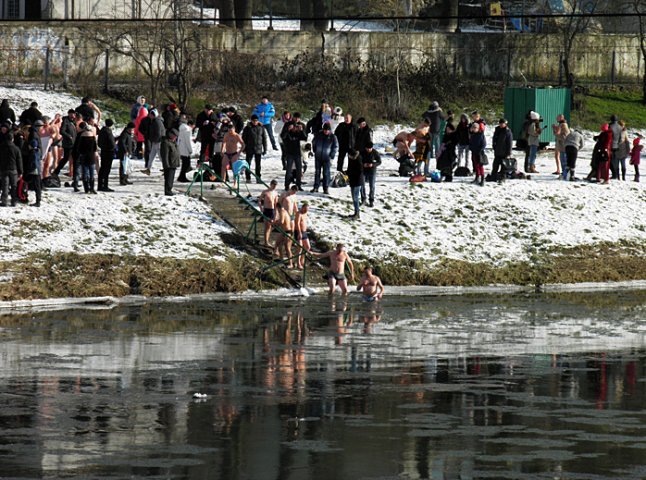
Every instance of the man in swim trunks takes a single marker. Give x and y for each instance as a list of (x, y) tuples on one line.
[(371, 285), (300, 233), (267, 202), (283, 248), (336, 276), (288, 201), (232, 145)]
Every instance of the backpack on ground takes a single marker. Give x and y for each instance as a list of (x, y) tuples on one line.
[(340, 180), (462, 172), (52, 182), (406, 166)]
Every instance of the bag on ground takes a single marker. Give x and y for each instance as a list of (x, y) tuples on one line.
[(23, 190), (52, 182), (340, 180), (462, 172)]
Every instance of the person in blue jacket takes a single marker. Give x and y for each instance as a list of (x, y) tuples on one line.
[(265, 111), (324, 146)]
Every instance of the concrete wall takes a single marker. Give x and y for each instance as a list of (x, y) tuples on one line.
[(491, 56)]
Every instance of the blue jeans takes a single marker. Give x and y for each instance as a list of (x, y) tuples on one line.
[(369, 177), (434, 145), (88, 172), (270, 134), (323, 165), (356, 195), (533, 150), (564, 169)]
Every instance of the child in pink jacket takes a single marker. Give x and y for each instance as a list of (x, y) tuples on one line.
[(635, 156)]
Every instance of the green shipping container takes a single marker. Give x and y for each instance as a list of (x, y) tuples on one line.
[(547, 102)]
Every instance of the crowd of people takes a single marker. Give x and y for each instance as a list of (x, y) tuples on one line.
[(451, 141), (34, 150)]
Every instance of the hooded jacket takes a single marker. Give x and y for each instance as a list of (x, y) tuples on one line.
[(10, 156), (255, 139)]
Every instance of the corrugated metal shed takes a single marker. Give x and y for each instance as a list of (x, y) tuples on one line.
[(548, 102)]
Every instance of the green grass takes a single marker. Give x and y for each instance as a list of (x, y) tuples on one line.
[(598, 105)]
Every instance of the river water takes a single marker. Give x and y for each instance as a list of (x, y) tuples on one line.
[(465, 387)]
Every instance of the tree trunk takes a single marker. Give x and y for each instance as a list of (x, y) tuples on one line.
[(644, 78), (243, 10), (306, 15), (227, 12), (320, 24)]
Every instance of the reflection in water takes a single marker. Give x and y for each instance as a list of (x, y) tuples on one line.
[(532, 387)]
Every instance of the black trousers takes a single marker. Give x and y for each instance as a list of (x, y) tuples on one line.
[(106, 165), (186, 165), (148, 145), (571, 153), (9, 184), (169, 179), (343, 151), (66, 156), (294, 164), (495, 167), (256, 158), (204, 146), (35, 185)]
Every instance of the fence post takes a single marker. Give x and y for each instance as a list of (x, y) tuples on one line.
[(106, 72), (612, 68), (47, 55)]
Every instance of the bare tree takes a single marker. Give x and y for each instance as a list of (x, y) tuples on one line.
[(244, 10), (305, 12), (165, 52), (398, 8), (575, 23), (227, 12), (639, 7)]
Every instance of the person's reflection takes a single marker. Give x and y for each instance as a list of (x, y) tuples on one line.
[(342, 320), (370, 318)]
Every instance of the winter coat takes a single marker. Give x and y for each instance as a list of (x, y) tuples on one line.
[(462, 132), (533, 134), (170, 119), (126, 144), (502, 142), (364, 135), (10, 157), (106, 141), (204, 126), (30, 115), (346, 134), (447, 159), (143, 114), (623, 145), (6, 112), (255, 139), (292, 141), (324, 147), (574, 139), (635, 155), (315, 124), (355, 171), (370, 158), (221, 130), (267, 109), (435, 120), (601, 152), (616, 130), (86, 149), (68, 132), (477, 141), (155, 131), (169, 153), (32, 149), (185, 140)]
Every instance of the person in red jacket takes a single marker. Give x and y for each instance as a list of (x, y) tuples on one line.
[(602, 154)]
